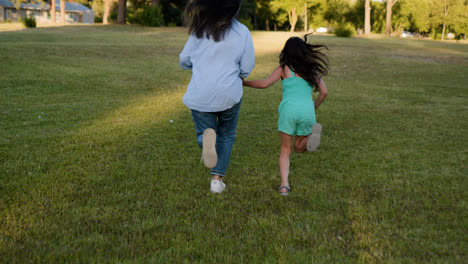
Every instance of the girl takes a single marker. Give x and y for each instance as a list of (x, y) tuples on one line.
[(301, 67), (219, 52)]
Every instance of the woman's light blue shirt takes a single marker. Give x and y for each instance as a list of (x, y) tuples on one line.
[(216, 69)]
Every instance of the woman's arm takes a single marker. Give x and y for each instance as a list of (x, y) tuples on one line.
[(184, 56), (322, 94), (265, 83), (247, 62)]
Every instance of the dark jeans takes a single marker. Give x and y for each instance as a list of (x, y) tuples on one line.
[(224, 123)]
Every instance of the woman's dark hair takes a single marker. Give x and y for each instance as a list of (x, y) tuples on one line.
[(305, 59), (210, 18)]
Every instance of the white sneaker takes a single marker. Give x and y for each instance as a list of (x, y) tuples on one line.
[(217, 186), (314, 140), (209, 156)]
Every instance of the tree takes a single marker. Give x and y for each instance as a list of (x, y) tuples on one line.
[(367, 25), (292, 7), (105, 18), (292, 15), (316, 12), (62, 11), (305, 17), (336, 10), (448, 14), (122, 12), (460, 20), (416, 13), (388, 20), (52, 11), (445, 13), (266, 17)]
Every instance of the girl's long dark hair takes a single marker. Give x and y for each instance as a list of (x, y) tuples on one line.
[(210, 18), (305, 59)]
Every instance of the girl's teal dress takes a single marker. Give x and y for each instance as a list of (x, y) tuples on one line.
[(296, 110)]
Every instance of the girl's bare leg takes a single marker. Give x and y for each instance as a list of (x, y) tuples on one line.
[(286, 141), (300, 143)]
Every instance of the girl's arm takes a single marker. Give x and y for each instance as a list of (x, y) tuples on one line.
[(322, 94), (265, 83)]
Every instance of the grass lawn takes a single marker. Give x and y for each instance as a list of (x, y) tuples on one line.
[(98, 159)]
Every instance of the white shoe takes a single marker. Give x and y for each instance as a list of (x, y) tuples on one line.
[(217, 186), (314, 140), (209, 156)]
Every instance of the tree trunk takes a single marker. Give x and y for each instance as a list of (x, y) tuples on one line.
[(267, 24), (62, 11), (255, 17), (305, 17), (122, 13), (292, 18), (443, 32), (445, 18), (52, 11), (388, 20), (367, 25), (105, 18)]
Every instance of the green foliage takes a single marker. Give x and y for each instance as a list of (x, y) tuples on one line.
[(455, 19), (355, 14), (29, 22), (345, 30), (247, 22), (315, 14), (336, 10), (285, 10), (417, 13), (147, 16), (171, 13)]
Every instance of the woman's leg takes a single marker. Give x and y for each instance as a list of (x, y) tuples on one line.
[(286, 141), (202, 121), (226, 135)]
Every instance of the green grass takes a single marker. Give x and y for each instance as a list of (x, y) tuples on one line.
[(98, 160)]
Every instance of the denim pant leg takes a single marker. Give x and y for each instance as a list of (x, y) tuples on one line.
[(225, 124)]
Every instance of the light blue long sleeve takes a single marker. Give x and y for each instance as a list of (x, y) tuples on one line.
[(217, 68)]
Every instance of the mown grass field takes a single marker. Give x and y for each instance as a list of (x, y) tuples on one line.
[(98, 159)]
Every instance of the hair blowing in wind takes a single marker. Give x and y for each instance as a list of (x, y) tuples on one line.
[(305, 59), (210, 18)]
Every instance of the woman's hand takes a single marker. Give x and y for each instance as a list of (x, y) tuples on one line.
[(265, 83)]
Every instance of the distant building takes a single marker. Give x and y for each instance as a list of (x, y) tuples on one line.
[(74, 12)]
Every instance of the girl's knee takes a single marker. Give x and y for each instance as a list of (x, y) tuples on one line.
[(298, 149)]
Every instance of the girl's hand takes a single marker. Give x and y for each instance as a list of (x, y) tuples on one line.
[(265, 83), (322, 94)]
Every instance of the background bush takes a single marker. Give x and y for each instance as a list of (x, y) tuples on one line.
[(345, 30), (29, 22), (150, 16), (172, 15)]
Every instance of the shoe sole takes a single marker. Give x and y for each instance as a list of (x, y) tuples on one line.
[(209, 156), (213, 191), (314, 139)]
